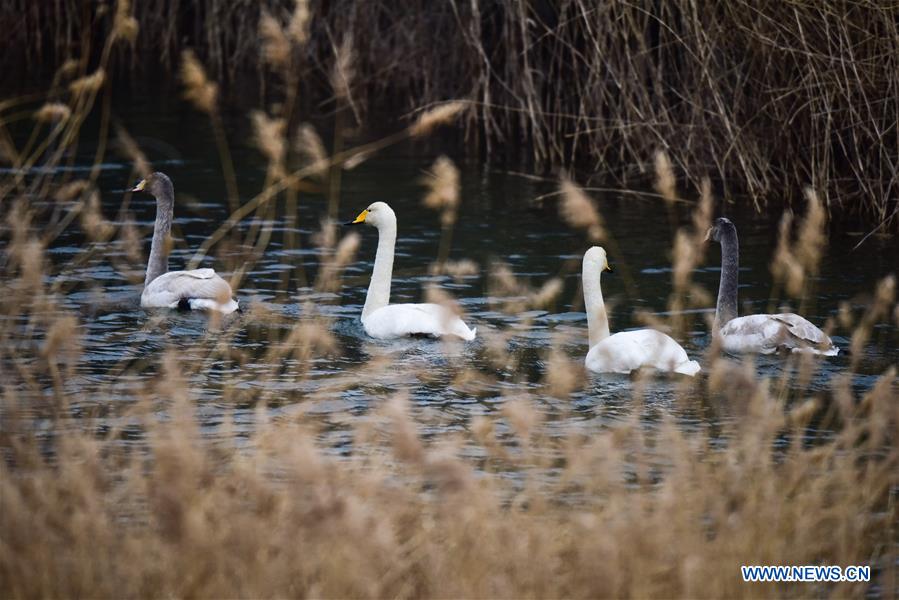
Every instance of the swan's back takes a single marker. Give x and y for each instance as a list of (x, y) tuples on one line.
[(767, 334), (199, 289), (398, 320), (629, 351)]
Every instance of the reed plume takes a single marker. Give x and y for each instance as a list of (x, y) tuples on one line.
[(665, 183), (199, 91), (442, 182), (53, 112), (308, 145), (298, 27), (124, 25), (431, 119), (579, 212), (89, 84), (269, 137), (275, 45)]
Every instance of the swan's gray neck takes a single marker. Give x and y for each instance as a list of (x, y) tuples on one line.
[(730, 272), (597, 319), (378, 295), (159, 248)]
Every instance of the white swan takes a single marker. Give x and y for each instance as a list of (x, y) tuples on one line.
[(625, 351), (187, 290), (383, 320), (764, 334)]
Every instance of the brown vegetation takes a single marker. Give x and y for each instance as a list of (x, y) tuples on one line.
[(137, 500), (763, 99)]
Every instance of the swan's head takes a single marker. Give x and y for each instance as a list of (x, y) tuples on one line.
[(158, 184), (722, 226), (596, 258), (377, 215)]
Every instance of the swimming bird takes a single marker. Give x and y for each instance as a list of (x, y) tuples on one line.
[(383, 320), (764, 334), (197, 289), (625, 351)]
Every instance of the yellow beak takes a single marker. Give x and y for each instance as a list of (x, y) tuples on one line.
[(140, 186), (608, 267), (361, 217)]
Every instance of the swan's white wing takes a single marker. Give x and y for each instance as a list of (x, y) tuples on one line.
[(200, 288), (766, 334), (398, 320), (628, 351)]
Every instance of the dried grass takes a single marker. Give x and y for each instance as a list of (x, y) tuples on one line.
[(442, 182), (89, 84), (124, 26), (309, 145), (431, 119), (142, 499), (53, 112), (666, 183), (764, 100), (269, 136), (275, 45), (579, 212), (412, 517), (199, 91)]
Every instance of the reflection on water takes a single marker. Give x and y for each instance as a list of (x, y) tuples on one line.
[(500, 219)]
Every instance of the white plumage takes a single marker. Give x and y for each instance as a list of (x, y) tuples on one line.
[(625, 351), (383, 320), (201, 289), (628, 351), (398, 320)]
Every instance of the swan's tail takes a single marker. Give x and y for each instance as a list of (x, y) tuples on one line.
[(691, 368), (209, 304), (832, 351)]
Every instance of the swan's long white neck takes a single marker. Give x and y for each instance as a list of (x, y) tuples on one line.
[(597, 319), (730, 274), (378, 295), (159, 253)]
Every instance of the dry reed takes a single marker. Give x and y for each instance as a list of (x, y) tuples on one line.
[(139, 499), (598, 86), (199, 91), (579, 212)]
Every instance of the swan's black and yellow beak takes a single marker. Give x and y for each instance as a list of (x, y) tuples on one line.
[(139, 187), (359, 220), (708, 234), (608, 267)]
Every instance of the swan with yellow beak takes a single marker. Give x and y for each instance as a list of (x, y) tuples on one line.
[(383, 320)]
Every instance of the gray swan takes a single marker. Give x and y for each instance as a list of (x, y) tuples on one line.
[(197, 289), (763, 334)]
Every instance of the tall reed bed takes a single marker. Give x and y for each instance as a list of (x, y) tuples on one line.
[(764, 99), (136, 499)]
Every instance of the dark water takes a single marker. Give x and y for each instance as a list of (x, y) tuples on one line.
[(503, 217)]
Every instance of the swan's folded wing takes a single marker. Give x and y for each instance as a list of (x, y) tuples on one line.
[(769, 333), (398, 320), (628, 351), (660, 350), (197, 274), (169, 289), (804, 331)]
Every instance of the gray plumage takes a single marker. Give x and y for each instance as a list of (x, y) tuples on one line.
[(764, 334)]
